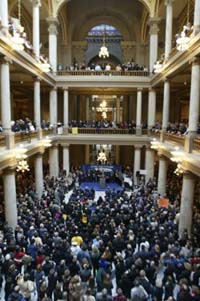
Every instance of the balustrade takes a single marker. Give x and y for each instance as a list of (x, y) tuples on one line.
[(107, 73)]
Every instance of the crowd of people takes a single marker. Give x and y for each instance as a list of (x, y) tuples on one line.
[(119, 247), (105, 124), (129, 66)]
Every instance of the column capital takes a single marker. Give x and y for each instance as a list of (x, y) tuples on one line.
[(169, 2), (153, 23), (5, 60), (53, 25), (195, 60), (188, 175), (162, 157), (138, 147), (152, 89), (36, 2), (65, 145), (166, 80), (65, 89), (54, 89), (36, 79), (139, 89)]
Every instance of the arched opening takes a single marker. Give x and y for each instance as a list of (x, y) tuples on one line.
[(96, 37)]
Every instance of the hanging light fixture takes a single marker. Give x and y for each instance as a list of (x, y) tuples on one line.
[(22, 164), (103, 52), (157, 67), (102, 157), (182, 40), (17, 39)]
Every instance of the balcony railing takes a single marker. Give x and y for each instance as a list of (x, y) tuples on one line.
[(102, 131), (175, 138), (25, 137), (107, 73)]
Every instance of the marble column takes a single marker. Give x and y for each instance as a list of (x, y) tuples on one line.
[(66, 164), (36, 27), (53, 24), (194, 104), (10, 200), (137, 161), (151, 109), (4, 15), (139, 113), (162, 175), (168, 27), (149, 164), (197, 17), (118, 110), (153, 53), (53, 108), (37, 107), (166, 105), (54, 161), (66, 110), (187, 196), (6, 101), (38, 162)]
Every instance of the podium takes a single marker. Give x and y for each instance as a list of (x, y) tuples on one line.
[(102, 182)]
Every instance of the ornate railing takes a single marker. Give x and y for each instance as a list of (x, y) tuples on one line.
[(196, 144), (175, 138), (108, 73), (47, 132), (108, 131), (25, 137), (2, 140)]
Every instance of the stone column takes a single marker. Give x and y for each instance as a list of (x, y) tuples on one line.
[(6, 101), (87, 154), (4, 15), (53, 23), (149, 164), (137, 160), (162, 175), (36, 27), (66, 165), (151, 109), (166, 104), (37, 107), (118, 110), (9, 185), (153, 53), (139, 113), (187, 196), (54, 161), (168, 27), (38, 162), (194, 104), (66, 110), (53, 108), (197, 17)]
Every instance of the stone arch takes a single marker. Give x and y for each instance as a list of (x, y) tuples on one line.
[(101, 17), (146, 3)]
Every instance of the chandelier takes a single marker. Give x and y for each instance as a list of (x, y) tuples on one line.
[(20, 155), (103, 52), (102, 157), (182, 40), (46, 142), (177, 158), (154, 144), (102, 108), (17, 38), (157, 67)]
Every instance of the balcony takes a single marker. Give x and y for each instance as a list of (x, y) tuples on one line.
[(112, 78)]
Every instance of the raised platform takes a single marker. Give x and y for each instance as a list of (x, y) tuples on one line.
[(96, 186)]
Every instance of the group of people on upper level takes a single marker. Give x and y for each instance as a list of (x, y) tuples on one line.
[(129, 66), (177, 128)]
